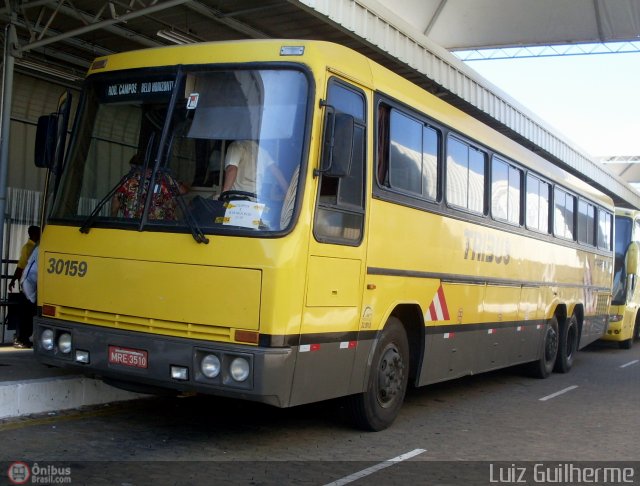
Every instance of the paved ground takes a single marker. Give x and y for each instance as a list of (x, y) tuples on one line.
[(493, 426)]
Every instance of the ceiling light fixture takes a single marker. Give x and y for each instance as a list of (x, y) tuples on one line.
[(176, 37), (47, 69)]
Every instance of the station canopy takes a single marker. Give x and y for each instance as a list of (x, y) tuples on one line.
[(58, 39), (481, 24)]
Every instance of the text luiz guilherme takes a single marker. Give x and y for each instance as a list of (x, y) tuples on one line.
[(560, 473)]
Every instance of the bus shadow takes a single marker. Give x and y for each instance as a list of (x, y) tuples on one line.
[(601, 347), (204, 415)]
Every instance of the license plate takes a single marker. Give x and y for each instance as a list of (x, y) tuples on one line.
[(136, 358)]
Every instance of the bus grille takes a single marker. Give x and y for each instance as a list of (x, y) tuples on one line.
[(139, 324)]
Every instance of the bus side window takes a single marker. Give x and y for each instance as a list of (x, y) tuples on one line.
[(506, 181), (340, 207), (564, 204), (466, 167), (538, 197), (605, 225), (586, 222), (407, 158)]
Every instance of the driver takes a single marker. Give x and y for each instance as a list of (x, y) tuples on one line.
[(244, 160)]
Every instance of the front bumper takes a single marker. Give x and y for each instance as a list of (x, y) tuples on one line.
[(269, 380), (618, 330)]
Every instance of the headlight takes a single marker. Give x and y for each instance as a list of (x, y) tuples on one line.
[(64, 343), (210, 366), (239, 369), (46, 339)]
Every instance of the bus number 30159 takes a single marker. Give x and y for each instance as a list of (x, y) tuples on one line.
[(73, 268)]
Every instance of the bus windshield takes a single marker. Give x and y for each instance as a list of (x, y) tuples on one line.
[(623, 238), (221, 149)]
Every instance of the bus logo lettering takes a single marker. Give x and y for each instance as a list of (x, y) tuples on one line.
[(486, 248)]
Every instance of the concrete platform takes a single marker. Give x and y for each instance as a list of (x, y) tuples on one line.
[(28, 387)]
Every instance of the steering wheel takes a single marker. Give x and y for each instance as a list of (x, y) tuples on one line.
[(242, 195)]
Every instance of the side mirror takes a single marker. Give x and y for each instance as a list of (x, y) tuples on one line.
[(338, 144), (631, 258), (51, 135), (46, 141)]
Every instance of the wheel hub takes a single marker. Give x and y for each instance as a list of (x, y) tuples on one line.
[(390, 376), (551, 345)]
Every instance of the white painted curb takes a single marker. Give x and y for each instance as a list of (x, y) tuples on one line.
[(18, 398)]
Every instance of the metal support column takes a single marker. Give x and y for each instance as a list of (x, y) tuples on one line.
[(10, 41)]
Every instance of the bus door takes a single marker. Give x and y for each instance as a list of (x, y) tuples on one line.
[(331, 314)]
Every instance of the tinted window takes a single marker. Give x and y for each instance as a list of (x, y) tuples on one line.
[(537, 204), (407, 154), (604, 230), (563, 214), (505, 191), (586, 222), (465, 176)]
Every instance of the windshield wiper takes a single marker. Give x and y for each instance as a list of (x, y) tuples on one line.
[(158, 172), (86, 225), (196, 231)]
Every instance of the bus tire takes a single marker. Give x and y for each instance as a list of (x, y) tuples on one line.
[(628, 343), (567, 345), (543, 367), (379, 405)]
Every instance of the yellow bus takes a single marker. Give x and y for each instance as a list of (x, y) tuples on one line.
[(380, 237), (624, 320)]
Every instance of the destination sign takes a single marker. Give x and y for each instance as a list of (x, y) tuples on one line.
[(129, 89)]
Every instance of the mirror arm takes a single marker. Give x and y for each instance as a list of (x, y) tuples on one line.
[(330, 108)]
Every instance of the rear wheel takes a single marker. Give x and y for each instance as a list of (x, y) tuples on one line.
[(544, 365), (567, 346), (379, 405)]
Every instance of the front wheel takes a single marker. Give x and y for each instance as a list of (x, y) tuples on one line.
[(628, 343), (568, 345), (543, 367), (379, 405)]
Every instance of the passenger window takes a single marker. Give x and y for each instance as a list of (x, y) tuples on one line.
[(465, 176), (564, 208), (505, 191), (586, 223), (538, 193), (408, 161), (604, 230), (405, 153)]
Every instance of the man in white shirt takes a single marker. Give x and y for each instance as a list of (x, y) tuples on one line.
[(245, 163), (240, 166)]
